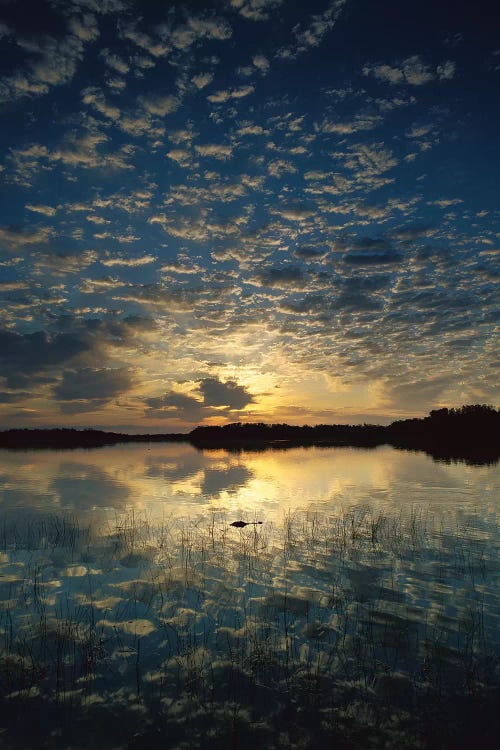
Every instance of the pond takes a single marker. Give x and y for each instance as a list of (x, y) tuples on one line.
[(358, 607)]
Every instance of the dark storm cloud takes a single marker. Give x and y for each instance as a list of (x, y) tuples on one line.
[(216, 398), (27, 355), (88, 383), (228, 394), (175, 404), (35, 357)]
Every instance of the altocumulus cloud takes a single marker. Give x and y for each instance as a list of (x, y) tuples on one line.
[(235, 170)]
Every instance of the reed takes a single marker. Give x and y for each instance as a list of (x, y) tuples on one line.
[(344, 628)]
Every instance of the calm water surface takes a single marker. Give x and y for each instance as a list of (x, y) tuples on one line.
[(369, 592), (178, 480)]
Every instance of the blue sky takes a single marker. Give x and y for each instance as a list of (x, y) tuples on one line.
[(246, 210)]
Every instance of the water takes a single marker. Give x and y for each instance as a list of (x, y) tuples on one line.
[(363, 610)]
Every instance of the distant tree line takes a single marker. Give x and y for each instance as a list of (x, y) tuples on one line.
[(68, 437), (469, 432)]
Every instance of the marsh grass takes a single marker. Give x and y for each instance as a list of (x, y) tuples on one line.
[(359, 629)]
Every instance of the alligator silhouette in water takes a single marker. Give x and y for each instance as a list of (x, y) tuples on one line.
[(241, 524)]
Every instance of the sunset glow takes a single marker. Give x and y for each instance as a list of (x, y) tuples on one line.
[(246, 210)]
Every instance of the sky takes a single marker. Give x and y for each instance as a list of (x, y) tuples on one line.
[(246, 210)]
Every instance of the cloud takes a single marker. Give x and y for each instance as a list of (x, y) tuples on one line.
[(159, 105), (196, 28), (411, 233), (295, 214), (103, 7), (418, 393), (446, 71), (117, 260), (173, 404), (228, 394), (372, 258), (225, 95), (310, 304), (215, 150), (12, 286), (87, 389), (82, 151), (61, 264), (413, 71), (261, 63), (95, 98), (114, 62), (358, 123), (99, 220), (185, 195), (161, 297), (27, 163), (155, 47), (27, 359), (44, 210), (17, 239), (84, 27), (279, 167), (445, 202), (290, 277), (310, 253), (139, 125), (251, 129), (213, 397), (202, 79), (98, 286), (181, 156), (368, 251), (184, 265), (50, 61), (370, 159), (313, 34), (255, 10)]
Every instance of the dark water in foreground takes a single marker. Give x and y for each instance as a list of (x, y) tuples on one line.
[(363, 612)]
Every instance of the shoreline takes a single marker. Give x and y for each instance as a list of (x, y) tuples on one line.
[(475, 443)]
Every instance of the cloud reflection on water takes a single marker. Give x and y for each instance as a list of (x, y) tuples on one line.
[(175, 479), (347, 589)]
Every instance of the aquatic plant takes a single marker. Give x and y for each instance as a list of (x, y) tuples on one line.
[(363, 629)]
